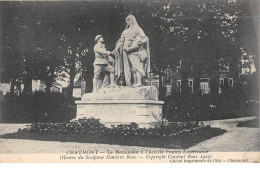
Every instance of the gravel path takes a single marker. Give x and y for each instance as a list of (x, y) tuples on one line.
[(236, 139)]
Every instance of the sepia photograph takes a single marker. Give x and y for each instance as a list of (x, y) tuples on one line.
[(129, 81)]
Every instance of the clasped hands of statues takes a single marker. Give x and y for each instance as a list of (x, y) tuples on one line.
[(119, 44), (127, 50)]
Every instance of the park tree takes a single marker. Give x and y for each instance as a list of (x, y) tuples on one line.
[(74, 52), (201, 33), (18, 47), (51, 39)]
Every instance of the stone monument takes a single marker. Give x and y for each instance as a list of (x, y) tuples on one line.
[(122, 105), (134, 102)]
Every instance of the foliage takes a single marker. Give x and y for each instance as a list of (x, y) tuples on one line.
[(175, 135), (45, 107), (93, 127), (200, 33), (232, 103), (89, 127)]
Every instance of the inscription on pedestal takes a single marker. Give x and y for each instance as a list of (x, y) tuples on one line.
[(122, 105), (137, 111)]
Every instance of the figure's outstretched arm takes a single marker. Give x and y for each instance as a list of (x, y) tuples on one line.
[(101, 50)]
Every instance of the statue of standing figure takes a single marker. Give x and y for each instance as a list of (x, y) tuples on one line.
[(132, 58), (132, 61), (103, 64)]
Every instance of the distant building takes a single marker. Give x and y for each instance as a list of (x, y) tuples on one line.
[(4, 88), (172, 81), (205, 84), (54, 88), (37, 85)]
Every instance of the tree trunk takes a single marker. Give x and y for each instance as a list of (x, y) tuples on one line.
[(70, 90), (19, 88), (48, 87), (12, 87), (184, 83), (185, 69), (72, 76), (196, 84), (28, 80), (28, 91), (49, 81)]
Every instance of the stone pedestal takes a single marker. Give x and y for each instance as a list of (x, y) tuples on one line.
[(115, 106)]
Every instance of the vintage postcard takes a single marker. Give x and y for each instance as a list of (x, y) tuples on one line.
[(117, 81)]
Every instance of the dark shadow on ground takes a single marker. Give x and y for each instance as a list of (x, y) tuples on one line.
[(251, 123)]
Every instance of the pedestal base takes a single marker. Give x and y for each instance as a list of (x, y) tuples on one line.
[(114, 112)]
